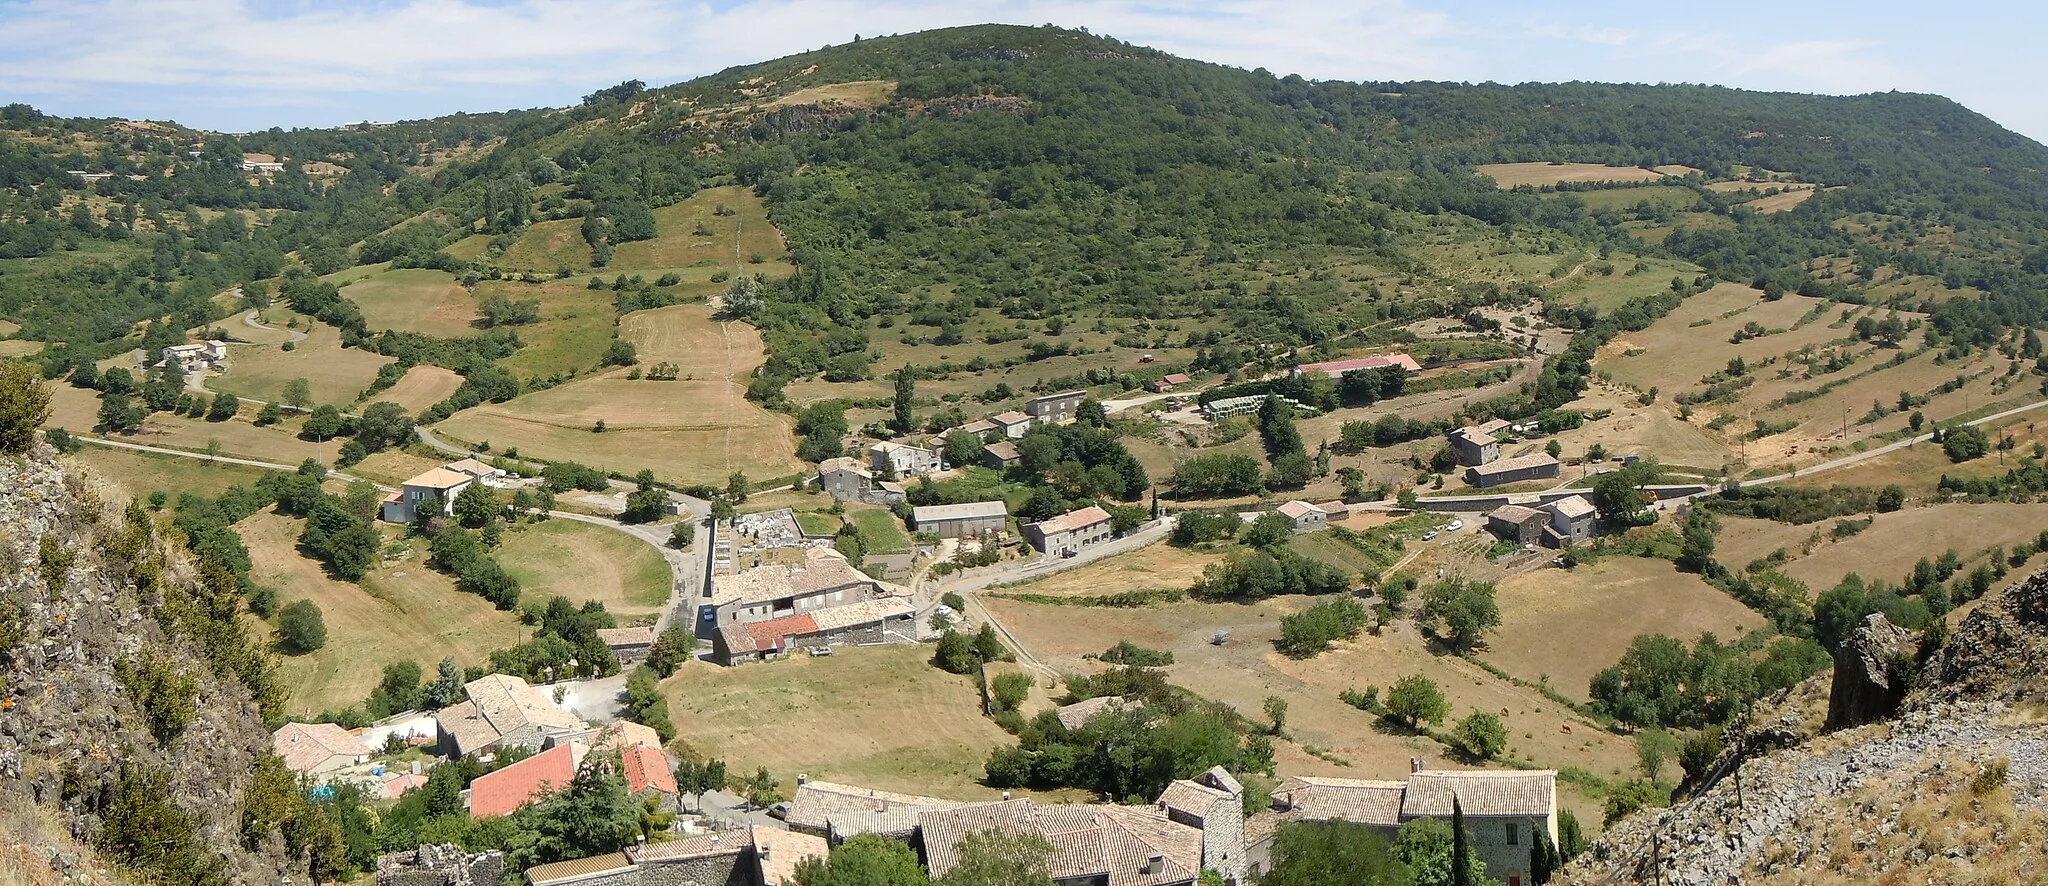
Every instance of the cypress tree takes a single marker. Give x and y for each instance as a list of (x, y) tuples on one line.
[(1461, 847)]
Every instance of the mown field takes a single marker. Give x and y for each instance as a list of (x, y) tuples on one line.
[(584, 562), (1508, 175), (403, 611), (574, 329), (880, 717), (417, 300), (1564, 625), (698, 428), (737, 238), (137, 474), (1889, 547), (335, 374), (421, 386), (77, 410)]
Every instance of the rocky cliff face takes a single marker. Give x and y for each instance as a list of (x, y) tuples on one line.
[(123, 746), (1953, 789)]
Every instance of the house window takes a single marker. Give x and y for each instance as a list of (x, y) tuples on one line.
[(1514, 834)]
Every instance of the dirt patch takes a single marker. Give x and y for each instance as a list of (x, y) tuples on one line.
[(1508, 175), (857, 94)]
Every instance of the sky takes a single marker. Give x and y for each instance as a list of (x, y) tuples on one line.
[(240, 65)]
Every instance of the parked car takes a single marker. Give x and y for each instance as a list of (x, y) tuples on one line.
[(1429, 535), (1455, 525), (779, 811)]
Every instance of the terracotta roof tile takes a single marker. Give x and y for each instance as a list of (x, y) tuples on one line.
[(504, 791), (569, 871), (817, 801), (647, 768), (304, 746), (1480, 792)]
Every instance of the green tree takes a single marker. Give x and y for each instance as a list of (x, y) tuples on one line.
[(670, 650), (447, 686), (224, 407), (995, 858), (24, 406), (1270, 530), (1964, 442), (1276, 713), (475, 506), (619, 353), (1010, 691), (1334, 852), (383, 424), (1696, 545), (300, 627), (1461, 611), (325, 422), (1483, 735), (1416, 700), (270, 414), (1891, 498), (298, 393), (1462, 862), (906, 394), (1653, 748), (865, 860)]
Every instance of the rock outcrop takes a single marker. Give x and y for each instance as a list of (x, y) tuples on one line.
[(1870, 673), (79, 641), (1953, 788)]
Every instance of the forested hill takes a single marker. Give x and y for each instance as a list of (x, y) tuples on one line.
[(1038, 171)]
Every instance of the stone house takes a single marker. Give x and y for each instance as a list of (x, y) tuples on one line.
[(483, 471), (744, 857), (440, 865), (1571, 519), (1478, 444), (1013, 424), (630, 645), (824, 579), (1518, 523), (503, 711), (1537, 466), (648, 773), (961, 520), (1066, 534), (1306, 517), (1503, 811), (845, 479), (1001, 455), (866, 623), (1055, 409), (439, 484), (318, 748), (504, 791), (193, 357), (901, 459)]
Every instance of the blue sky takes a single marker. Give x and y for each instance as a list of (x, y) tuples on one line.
[(252, 64)]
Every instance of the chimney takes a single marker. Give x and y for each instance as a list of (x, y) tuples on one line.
[(802, 779), (762, 848), (1415, 764), (1154, 864), (1006, 795), (415, 767)]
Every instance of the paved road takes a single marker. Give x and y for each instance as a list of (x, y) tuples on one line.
[(735, 809)]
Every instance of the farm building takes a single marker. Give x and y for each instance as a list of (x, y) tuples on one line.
[(1066, 534), (1055, 409), (318, 748), (439, 484), (959, 521), (901, 460), (1334, 510), (763, 856), (867, 622), (1306, 517), (1539, 466), (1478, 444), (823, 580), (1518, 523), (1168, 382), (846, 480), (1001, 455), (204, 355), (1503, 811), (503, 711), (1013, 424), (979, 427), (1571, 519), (629, 644), (1337, 368), (483, 471)]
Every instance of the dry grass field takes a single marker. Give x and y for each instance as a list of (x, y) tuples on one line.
[(880, 717), (137, 474), (734, 239), (1509, 175), (76, 410), (392, 467), (403, 611), (1155, 566), (584, 562), (547, 247), (337, 374), (421, 386), (18, 348), (1782, 201), (1675, 354), (1887, 549), (1243, 672), (857, 94), (699, 428), (415, 300), (1567, 624)]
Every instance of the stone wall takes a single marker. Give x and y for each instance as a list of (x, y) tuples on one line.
[(442, 865), (736, 869), (1506, 862)]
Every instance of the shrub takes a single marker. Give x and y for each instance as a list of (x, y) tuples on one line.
[(24, 406), (1127, 653), (301, 627), (1417, 700), (1483, 735), (1010, 691), (1312, 630)]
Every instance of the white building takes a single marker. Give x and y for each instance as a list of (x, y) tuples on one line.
[(203, 355), (440, 483), (901, 459)]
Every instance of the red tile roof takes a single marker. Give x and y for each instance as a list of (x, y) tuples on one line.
[(504, 791), (647, 768)]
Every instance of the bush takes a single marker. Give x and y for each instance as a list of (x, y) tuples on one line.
[(1312, 630), (263, 601), (1009, 691), (1127, 653), (24, 406), (300, 627), (1483, 735), (1417, 700)]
